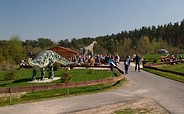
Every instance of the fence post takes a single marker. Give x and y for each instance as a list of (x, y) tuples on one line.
[(10, 96), (68, 89)]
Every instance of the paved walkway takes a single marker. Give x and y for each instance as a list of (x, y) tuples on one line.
[(168, 93)]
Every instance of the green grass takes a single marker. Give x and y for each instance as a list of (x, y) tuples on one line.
[(177, 67), (166, 75), (153, 58), (80, 75), (134, 111), (24, 75), (83, 75), (55, 93)]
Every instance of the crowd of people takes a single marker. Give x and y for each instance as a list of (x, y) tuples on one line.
[(99, 59), (96, 59)]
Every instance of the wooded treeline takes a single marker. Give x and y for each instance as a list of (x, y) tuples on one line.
[(146, 40)]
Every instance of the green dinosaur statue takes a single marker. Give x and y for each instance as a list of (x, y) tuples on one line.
[(46, 59)]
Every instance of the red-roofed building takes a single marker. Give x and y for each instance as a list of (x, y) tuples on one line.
[(64, 52)]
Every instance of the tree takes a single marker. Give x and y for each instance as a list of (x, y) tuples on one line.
[(99, 49), (64, 43), (14, 49), (31, 43), (45, 43), (182, 34), (144, 45), (154, 46), (125, 47)]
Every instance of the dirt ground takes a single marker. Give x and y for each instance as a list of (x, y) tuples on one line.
[(144, 103)]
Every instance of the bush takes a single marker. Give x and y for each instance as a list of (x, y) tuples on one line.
[(56, 66), (66, 76), (10, 74), (7, 64), (155, 60), (90, 71)]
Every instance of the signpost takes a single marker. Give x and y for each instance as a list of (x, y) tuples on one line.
[(112, 65)]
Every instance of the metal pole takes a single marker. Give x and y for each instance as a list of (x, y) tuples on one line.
[(113, 73)]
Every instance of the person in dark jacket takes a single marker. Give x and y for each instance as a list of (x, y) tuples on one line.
[(137, 62), (127, 63)]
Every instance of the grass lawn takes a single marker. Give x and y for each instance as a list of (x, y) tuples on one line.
[(134, 111), (153, 58), (166, 75), (177, 67), (24, 75)]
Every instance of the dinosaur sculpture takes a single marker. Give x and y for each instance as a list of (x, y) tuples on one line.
[(46, 59), (89, 48)]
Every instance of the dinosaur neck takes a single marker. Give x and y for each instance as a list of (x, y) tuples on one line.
[(91, 45), (36, 64), (30, 61)]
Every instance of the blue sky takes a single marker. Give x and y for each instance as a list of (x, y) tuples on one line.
[(67, 19)]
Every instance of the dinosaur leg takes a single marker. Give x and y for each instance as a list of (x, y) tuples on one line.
[(42, 73), (34, 75), (92, 53), (51, 72)]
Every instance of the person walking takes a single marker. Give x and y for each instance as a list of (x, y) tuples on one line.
[(137, 62), (126, 64), (180, 57), (117, 59)]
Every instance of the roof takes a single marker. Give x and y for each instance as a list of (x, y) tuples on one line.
[(64, 52), (63, 48), (162, 51)]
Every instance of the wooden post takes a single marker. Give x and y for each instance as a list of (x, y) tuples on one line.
[(10, 96)]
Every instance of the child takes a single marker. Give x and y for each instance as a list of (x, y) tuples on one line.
[(127, 63)]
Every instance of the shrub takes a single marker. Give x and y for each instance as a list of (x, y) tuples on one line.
[(7, 64), (56, 66), (66, 76), (155, 60), (10, 74), (90, 71)]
